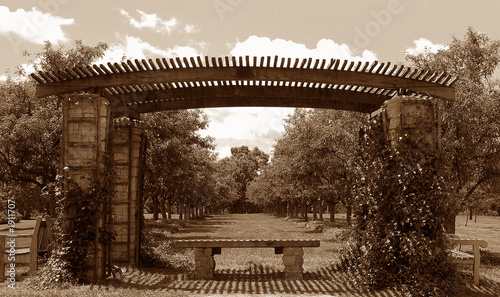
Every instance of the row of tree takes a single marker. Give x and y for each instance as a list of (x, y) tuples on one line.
[(314, 161)]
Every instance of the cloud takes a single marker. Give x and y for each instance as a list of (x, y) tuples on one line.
[(136, 48), (423, 45), (250, 126), (3, 78), (154, 22), (33, 26), (325, 49)]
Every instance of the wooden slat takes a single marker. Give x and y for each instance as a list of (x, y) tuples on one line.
[(200, 61), (139, 66), (112, 68), (393, 70), (323, 63), (405, 73), (366, 66), (152, 64), (374, 64), (303, 64), (438, 80), (207, 62), (37, 78), (91, 70), (160, 64), (119, 68), (68, 74), (104, 69), (350, 66), (343, 65), (165, 63), (179, 63), (414, 74), (337, 63), (193, 62), (331, 64), (358, 66), (98, 69), (316, 64), (214, 62), (228, 63), (132, 66), (379, 69), (186, 62)]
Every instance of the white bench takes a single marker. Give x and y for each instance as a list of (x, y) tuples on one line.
[(205, 249), (461, 257)]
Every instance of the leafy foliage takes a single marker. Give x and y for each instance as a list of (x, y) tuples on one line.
[(471, 123), (179, 162), (402, 202), (312, 161), (242, 167), (30, 130)]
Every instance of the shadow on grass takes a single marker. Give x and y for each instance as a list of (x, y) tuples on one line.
[(256, 279), (263, 279)]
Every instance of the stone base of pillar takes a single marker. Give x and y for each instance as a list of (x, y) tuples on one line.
[(293, 260), (204, 263)]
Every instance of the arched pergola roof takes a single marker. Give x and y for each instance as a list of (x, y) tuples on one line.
[(135, 87)]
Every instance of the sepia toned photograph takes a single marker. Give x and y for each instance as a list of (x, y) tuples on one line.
[(250, 148)]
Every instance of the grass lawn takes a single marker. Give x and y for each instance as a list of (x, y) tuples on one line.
[(241, 272)]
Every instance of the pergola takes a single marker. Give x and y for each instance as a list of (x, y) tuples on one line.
[(95, 95), (135, 87)]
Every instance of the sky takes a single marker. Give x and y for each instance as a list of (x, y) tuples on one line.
[(367, 30)]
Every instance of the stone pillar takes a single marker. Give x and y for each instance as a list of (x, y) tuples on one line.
[(204, 263), (293, 260), (416, 117), (127, 149), (420, 119), (85, 135)]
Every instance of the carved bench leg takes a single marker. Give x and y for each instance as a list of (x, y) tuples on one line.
[(204, 262), (293, 260)]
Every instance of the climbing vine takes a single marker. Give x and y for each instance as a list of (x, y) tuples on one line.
[(82, 221), (402, 202)]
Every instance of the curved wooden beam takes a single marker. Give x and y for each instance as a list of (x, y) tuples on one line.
[(266, 96)]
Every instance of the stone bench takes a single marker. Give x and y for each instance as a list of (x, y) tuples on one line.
[(460, 257), (205, 250)]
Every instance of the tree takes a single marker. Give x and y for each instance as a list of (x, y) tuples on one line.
[(179, 161), (312, 161), (471, 124), (30, 129), (243, 166)]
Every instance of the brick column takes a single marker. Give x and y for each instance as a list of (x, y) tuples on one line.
[(204, 263), (293, 260), (127, 149), (85, 135)]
